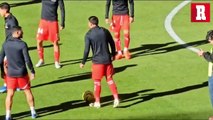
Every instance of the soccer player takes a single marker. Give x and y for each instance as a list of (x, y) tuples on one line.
[(121, 19), (17, 54), (49, 29), (98, 38), (209, 57), (10, 22)]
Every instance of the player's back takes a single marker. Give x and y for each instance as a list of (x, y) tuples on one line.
[(99, 44), (10, 22), (49, 10), (16, 62), (120, 7)]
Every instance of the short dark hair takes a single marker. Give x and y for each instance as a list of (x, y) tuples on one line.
[(209, 35), (5, 6), (94, 20), (16, 28)]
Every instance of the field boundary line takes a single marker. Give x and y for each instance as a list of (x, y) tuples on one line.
[(169, 29)]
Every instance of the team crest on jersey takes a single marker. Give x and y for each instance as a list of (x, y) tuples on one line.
[(53, 0)]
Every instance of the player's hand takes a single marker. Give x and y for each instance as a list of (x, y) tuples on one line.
[(107, 21), (131, 19), (81, 65), (200, 53), (61, 27), (32, 76)]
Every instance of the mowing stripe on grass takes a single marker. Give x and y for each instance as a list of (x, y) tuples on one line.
[(170, 30)]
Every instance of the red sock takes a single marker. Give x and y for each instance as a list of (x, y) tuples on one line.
[(57, 56), (118, 45), (113, 88), (117, 41), (126, 40), (97, 90), (41, 53)]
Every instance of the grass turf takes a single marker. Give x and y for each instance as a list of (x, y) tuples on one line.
[(162, 81)]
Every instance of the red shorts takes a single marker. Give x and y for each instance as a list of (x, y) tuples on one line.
[(18, 82), (120, 22), (100, 70), (48, 30)]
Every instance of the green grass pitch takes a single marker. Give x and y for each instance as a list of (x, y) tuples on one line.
[(162, 81)]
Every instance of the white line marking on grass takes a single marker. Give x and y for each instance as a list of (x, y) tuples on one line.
[(170, 30)]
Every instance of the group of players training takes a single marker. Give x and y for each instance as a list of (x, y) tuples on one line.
[(14, 54)]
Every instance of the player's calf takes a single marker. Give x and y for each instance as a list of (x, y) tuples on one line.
[(127, 54)]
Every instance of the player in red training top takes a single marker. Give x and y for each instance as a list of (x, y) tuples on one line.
[(49, 30), (99, 39), (121, 19)]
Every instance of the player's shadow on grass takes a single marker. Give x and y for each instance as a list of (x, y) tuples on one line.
[(45, 46), (62, 107), (68, 62), (70, 104), (138, 96), (25, 3), (152, 49), (81, 76), (130, 97)]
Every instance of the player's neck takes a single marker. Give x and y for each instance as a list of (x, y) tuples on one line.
[(16, 38), (7, 14), (93, 26)]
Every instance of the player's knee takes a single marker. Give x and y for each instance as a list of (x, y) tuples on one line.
[(97, 83), (10, 93), (39, 42), (110, 81), (116, 35), (126, 36), (126, 33), (116, 38), (28, 92), (55, 43)]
